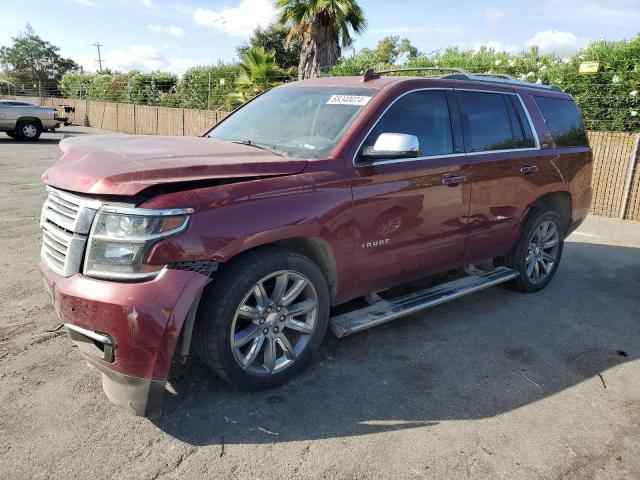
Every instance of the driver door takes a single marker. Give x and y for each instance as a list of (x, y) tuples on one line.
[(411, 213)]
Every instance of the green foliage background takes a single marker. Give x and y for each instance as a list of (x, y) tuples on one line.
[(609, 100)]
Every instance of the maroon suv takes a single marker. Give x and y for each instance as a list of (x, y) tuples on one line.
[(237, 245)]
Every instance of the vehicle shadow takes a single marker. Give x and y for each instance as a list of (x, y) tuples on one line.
[(40, 141), (477, 357), (47, 138)]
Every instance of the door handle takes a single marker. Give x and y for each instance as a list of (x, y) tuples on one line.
[(529, 169), (452, 181)]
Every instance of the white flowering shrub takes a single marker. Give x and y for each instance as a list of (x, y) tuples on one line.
[(609, 99)]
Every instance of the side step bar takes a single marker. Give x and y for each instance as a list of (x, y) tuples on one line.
[(385, 311)]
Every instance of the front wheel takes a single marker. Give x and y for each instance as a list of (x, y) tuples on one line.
[(538, 253), (263, 318)]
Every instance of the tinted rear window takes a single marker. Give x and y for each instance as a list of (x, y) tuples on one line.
[(489, 121), (563, 119)]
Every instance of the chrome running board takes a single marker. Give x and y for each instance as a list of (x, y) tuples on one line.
[(387, 310)]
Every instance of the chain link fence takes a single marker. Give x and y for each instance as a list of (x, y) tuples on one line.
[(616, 167)]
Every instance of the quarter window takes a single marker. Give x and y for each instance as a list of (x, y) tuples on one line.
[(563, 119), (424, 114)]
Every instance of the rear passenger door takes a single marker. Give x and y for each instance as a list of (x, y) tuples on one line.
[(502, 148), (411, 213)]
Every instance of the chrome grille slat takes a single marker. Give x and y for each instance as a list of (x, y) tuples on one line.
[(61, 257), (51, 261), (65, 221), (73, 206), (62, 209), (54, 244)]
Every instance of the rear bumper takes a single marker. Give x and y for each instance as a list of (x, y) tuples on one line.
[(128, 331), (47, 124)]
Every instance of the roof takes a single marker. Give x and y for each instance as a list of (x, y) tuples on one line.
[(379, 81)]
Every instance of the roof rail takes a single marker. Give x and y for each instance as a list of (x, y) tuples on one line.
[(370, 73), (496, 75), (462, 74)]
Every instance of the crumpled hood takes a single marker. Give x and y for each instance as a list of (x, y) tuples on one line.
[(127, 164)]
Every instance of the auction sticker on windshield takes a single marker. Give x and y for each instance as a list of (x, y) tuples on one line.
[(358, 100)]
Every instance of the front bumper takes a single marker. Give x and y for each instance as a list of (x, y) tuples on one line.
[(136, 327)]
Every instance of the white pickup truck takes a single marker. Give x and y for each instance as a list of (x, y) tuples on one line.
[(25, 121)]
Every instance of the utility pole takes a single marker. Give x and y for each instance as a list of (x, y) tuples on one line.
[(99, 60)]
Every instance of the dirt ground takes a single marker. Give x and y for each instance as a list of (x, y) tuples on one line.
[(495, 385)]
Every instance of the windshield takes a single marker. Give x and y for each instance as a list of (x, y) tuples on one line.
[(304, 122)]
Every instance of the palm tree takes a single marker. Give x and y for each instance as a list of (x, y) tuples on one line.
[(322, 27), (258, 72)]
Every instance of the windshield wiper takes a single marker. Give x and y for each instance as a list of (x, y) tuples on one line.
[(268, 148)]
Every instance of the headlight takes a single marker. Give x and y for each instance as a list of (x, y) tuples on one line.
[(121, 239)]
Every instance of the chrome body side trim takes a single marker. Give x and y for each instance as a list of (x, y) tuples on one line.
[(357, 164), (146, 212), (91, 334)]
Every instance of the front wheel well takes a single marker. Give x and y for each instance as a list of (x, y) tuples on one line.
[(315, 248), (559, 202), (318, 250)]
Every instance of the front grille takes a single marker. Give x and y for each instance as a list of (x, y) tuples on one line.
[(205, 267), (65, 221)]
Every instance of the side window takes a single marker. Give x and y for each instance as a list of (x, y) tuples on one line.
[(486, 121), (563, 119), (424, 114), (520, 124)]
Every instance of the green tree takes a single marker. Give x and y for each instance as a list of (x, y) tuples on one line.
[(74, 84), (32, 60), (150, 88), (391, 49), (101, 87), (259, 72), (323, 28), (207, 87), (274, 38)]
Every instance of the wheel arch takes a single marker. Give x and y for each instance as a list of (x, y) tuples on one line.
[(560, 202), (318, 250), (28, 118), (315, 248)]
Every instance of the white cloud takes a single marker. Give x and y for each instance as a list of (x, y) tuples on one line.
[(493, 16), (173, 31), (496, 46), (390, 31), (136, 58), (237, 21), (86, 3), (144, 58), (561, 43)]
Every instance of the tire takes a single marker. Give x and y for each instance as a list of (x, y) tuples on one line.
[(230, 304), (532, 254), (11, 134), (28, 130)]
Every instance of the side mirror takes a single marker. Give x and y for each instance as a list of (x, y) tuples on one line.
[(393, 145)]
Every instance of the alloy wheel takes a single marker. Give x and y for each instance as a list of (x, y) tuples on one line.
[(542, 251), (274, 322)]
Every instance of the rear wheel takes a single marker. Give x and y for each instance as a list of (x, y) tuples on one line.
[(29, 130), (538, 253), (263, 318)]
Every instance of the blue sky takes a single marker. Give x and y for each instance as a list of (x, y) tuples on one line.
[(158, 34)]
